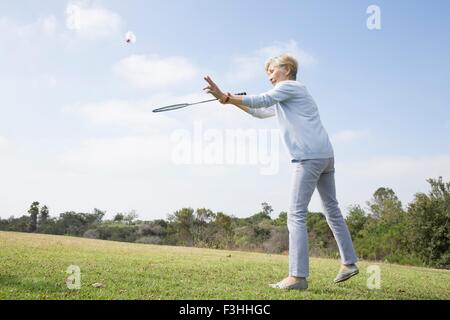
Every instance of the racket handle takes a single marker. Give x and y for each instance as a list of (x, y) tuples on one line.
[(240, 94)]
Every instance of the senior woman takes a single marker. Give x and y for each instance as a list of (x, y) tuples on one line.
[(311, 153)]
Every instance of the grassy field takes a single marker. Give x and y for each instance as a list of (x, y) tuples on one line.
[(34, 267)]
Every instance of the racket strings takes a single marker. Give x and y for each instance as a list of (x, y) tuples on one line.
[(171, 107), (184, 105)]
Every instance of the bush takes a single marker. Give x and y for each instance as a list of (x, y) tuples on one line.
[(92, 234), (150, 229), (356, 220), (149, 240), (278, 242), (429, 224), (320, 236), (21, 224), (118, 232)]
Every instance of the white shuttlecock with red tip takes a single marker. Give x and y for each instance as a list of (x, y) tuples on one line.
[(130, 37)]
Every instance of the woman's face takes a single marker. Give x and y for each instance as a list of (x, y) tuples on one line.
[(277, 73)]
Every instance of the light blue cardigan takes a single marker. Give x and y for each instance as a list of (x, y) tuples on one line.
[(301, 128)]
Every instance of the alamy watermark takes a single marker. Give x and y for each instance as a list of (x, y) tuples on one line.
[(374, 279), (258, 147), (374, 19), (73, 281)]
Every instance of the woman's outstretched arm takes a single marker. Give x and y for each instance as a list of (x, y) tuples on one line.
[(277, 94)]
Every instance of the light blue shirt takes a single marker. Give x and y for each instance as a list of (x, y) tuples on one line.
[(301, 128)]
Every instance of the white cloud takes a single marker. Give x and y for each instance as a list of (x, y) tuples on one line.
[(128, 154), (49, 24), (3, 142), (42, 26), (43, 81), (347, 136), (212, 113), (83, 19), (136, 116), (92, 22), (400, 167), (147, 144), (148, 72), (249, 66), (358, 180)]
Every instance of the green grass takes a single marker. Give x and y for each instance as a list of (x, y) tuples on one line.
[(34, 267)]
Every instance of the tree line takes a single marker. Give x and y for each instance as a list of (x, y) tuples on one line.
[(383, 231)]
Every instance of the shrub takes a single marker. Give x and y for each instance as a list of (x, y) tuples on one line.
[(278, 242), (150, 229), (149, 240), (92, 234)]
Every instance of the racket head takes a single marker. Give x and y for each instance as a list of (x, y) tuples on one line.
[(172, 107)]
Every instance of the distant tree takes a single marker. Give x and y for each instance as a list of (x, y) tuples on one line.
[(321, 240), (262, 215), (149, 240), (119, 217), (181, 223), (244, 237), (385, 232), (4, 224), (384, 200), (97, 216), (204, 215), (202, 230), (356, 220), (278, 241), (76, 224), (160, 222), (130, 217), (34, 212), (43, 217), (281, 220), (254, 235), (430, 224), (267, 209), (92, 234), (118, 231), (21, 224), (151, 229), (224, 232)]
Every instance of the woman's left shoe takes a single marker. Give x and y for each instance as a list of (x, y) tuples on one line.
[(300, 285)]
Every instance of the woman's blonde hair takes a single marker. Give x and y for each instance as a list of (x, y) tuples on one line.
[(285, 60)]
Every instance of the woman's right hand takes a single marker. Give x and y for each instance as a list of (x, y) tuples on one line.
[(213, 89)]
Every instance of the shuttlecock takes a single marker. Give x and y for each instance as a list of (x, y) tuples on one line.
[(130, 37)]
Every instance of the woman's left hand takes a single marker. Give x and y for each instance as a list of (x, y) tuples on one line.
[(213, 89)]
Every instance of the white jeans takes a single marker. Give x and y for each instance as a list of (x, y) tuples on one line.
[(309, 174)]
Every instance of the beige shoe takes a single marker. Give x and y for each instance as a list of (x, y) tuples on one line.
[(302, 284), (346, 273)]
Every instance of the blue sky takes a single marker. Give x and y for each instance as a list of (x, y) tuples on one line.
[(76, 131)]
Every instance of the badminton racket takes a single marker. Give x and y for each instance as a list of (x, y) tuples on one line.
[(184, 105)]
